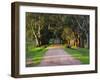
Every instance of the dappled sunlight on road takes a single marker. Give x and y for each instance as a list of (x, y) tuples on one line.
[(54, 46)]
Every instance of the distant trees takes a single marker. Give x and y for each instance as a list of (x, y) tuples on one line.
[(40, 28), (67, 35)]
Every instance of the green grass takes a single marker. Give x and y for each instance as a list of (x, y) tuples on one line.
[(36, 54), (81, 54)]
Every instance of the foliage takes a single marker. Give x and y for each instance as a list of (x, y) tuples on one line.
[(41, 28), (36, 54)]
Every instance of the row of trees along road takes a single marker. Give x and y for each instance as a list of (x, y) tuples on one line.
[(40, 28)]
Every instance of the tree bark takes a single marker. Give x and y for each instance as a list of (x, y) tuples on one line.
[(87, 36), (81, 42), (36, 39)]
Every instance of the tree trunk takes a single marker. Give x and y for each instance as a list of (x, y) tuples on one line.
[(81, 42), (36, 39), (68, 46), (87, 37), (39, 40), (37, 43)]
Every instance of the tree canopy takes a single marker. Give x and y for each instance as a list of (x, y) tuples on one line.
[(42, 27)]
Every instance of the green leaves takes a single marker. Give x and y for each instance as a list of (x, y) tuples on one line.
[(41, 27)]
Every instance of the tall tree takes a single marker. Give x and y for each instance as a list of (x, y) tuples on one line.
[(34, 23)]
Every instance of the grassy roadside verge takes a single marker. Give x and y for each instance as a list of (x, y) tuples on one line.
[(36, 54), (81, 54)]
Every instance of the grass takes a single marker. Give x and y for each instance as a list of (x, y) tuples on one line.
[(36, 54), (81, 54)]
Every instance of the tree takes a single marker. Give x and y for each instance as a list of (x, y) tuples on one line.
[(43, 27), (80, 27), (83, 26), (67, 35), (34, 24)]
